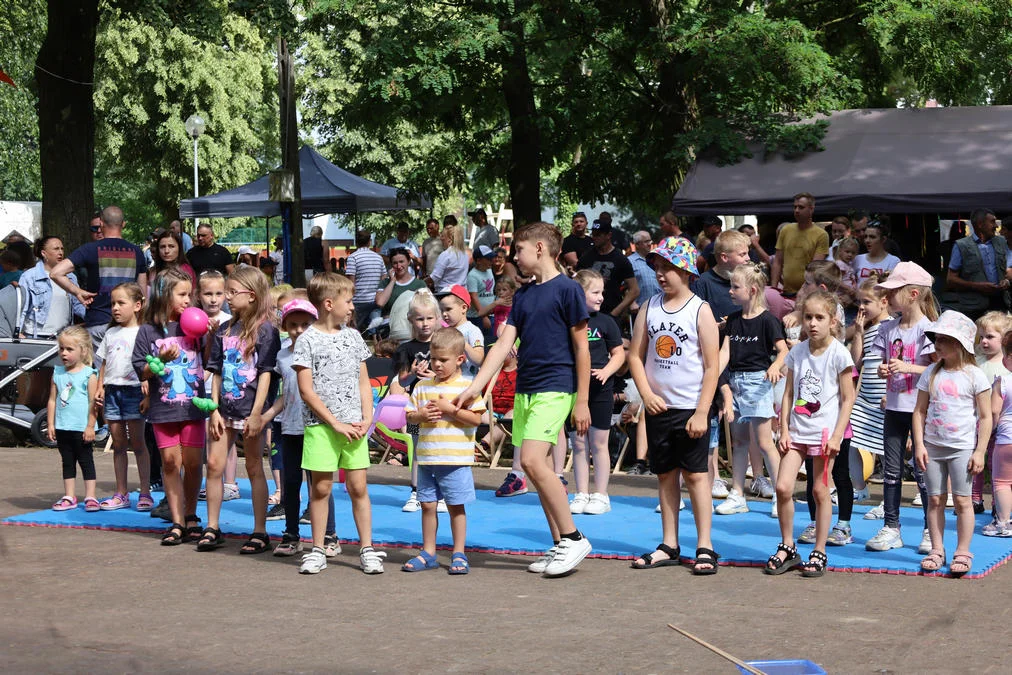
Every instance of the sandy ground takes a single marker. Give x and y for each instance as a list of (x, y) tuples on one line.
[(88, 601)]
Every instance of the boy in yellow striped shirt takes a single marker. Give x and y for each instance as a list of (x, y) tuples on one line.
[(445, 450)]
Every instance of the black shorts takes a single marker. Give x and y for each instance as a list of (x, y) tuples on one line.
[(669, 447), (602, 405)]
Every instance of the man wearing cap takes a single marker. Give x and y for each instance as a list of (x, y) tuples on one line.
[(366, 268), (614, 267), (577, 243), (980, 269), (487, 234), (481, 287), (207, 255), (798, 244), (618, 238), (401, 240), (646, 277)]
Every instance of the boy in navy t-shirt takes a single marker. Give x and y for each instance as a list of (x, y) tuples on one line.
[(549, 316)]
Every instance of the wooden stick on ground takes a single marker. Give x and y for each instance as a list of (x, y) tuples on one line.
[(718, 651)]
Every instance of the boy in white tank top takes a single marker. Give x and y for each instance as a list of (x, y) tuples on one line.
[(674, 362)]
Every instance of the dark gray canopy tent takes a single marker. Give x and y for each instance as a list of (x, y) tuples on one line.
[(326, 188), (902, 160)]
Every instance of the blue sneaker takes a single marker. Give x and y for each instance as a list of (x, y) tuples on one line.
[(513, 486)]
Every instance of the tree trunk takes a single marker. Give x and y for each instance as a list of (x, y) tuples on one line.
[(295, 261), (65, 73), (524, 172)]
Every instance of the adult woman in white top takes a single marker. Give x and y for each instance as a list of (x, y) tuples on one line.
[(451, 265), (876, 261)]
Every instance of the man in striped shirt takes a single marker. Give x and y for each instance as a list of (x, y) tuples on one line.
[(445, 450), (366, 268)]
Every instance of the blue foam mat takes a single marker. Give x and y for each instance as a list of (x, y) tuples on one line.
[(517, 525)]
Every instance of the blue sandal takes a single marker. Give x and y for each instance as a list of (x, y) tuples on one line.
[(422, 561), (459, 564)]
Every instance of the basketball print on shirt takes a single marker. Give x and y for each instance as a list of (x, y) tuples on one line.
[(667, 345)]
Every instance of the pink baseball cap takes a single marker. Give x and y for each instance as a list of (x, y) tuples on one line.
[(298, 305), (906, 274)]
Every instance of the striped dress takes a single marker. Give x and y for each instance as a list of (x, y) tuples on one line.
[(867, 418)]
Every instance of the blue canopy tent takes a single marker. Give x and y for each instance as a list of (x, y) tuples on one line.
[(326, 189)]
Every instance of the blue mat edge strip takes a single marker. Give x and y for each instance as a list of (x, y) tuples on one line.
[(496, 551)]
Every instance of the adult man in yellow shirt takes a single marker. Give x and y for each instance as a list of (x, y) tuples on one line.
[(798, 244)]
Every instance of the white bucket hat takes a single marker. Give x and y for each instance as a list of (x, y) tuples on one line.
[(955, 325)]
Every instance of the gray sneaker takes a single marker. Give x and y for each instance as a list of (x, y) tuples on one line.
[(371, 560), (925, 546), (840, 536), (807, 535), (885, 539), (877, 513), (313, 562)]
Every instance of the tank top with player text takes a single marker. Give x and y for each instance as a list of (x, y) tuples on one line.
[(674, 362)]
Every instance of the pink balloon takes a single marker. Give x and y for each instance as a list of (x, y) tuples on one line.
[(390, 411), (193, 322)]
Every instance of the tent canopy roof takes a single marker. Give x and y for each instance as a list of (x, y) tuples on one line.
[(900, 160), (326, 188)]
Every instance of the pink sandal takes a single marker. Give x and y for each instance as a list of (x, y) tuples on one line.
[(115, 503), (145, 503), (65, 503), (91, 505)]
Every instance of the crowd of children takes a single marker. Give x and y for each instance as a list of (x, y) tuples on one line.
[(796, 399)]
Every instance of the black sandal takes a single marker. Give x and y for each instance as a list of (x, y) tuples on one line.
[(776, 565), (194, 531), (174, 535), (258, 542), (210, 539), (648, 558), (816, 565), (705, 556)]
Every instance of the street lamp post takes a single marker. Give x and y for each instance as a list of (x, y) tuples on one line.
[(195, 127)]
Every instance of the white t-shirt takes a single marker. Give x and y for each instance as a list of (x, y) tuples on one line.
[(864, 268), (451, 270), (473, 337), (951, 422), (115, 351), (816, 389), (291, 416), (59, 312), (912, 346)]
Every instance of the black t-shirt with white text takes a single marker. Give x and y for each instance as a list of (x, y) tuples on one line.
[(752, 342)]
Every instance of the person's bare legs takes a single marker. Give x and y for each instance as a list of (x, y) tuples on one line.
[(762, 434), (120, 461), (135, 429), (581, 465), (458, 526), (936, 521), (217, 456), (789, 465), (823, 502), (172, 462), (668, 494), (257, 478), (641, 443), (361, 507), (430, 525), (320, 488), (231, 465), (598, 441), (192, 458), (702, 506), (559, 453), (551, 492), (740, 457)]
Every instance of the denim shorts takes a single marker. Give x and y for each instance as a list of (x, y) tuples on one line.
[(122, 402), (455, 484), (753, 396)]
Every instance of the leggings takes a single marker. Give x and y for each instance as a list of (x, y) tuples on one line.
[(841, 478), (977, 493), (153, 452), (277, 455), (291, 472), (897, 429), (74, 451)]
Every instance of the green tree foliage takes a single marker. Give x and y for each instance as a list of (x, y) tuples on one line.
[(151, 77), (22, 27)]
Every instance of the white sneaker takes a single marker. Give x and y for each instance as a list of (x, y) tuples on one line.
[(925, 546), (568, 554), (877, 513), (917, 499), (539, 565), (719, 490), (579, 503), (371, 560), (773, 507), (441, 506), (948, 503), (762, 487), (681, 506), (313, 562), (229, 492), (861, 495), (885, 539), (412, 504), (599, 503), (735, 503)]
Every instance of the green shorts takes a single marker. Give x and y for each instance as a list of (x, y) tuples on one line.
[(326, 450), (539, 417)]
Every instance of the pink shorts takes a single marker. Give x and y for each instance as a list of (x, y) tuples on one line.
[(808, 449), (188, 434)]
